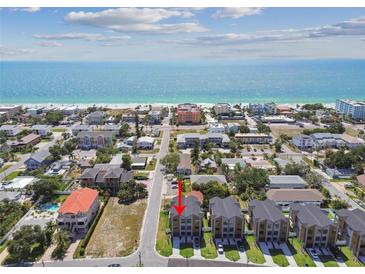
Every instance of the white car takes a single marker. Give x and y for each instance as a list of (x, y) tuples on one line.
[(313, 253), (220, 249)]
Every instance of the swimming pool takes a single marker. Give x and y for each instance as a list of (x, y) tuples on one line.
[(49, 207)]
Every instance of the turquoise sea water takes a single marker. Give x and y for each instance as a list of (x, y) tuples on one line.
[(205, 82)]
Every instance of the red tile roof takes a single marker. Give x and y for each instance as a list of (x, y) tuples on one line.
[(79, 201)]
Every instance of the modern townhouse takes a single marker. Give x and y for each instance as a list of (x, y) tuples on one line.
[(226, 218), (267, 221), (189, 224), (253, 138), (96, 118), (303, 142), (351, 108), (312, 226), (39, 159), (145, 142), (154, 117), (10, 130), (42, 130), (222, 109), (105, 176), (78, 210), (188, 114), (351, 228), (286, 182), (184, 167), (189, 140), (286, 197), (94, 139)]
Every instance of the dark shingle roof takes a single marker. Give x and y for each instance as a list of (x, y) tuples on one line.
[(266, 210), (355, 219), (192, 206), (89, 173), (40, 156), (227, 207), (311, 214)]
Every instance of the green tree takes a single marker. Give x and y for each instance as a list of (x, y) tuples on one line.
[(124, 131), (63, 240), (138, 132), (210, 190), (54, 117), (262, 128), (195, 154), (250, 180), (171, 161), (126, 161)]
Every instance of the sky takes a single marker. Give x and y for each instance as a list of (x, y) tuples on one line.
[(181, 34)]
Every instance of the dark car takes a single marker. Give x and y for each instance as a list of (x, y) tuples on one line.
[(114, 265)]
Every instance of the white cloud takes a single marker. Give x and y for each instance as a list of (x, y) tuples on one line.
[(50, 44), (93, 37), (236, 13), (352, 27), (145, 20), (6, 51), (31, 9)]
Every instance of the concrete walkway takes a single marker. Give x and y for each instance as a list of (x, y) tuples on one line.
[(3, 255), (176, 246), (265, 251), (196, 249), (243, 255), (288, 254)]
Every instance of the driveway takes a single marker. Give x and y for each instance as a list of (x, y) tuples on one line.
[(318, 262), (289, 256), (265, 251), (196, 248), (176, 247)]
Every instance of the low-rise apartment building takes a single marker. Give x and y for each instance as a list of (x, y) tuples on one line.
[(79, 209), (222, 108), (145, 142), (27, 141), (303, 142), (216, 128), (42, 130), (253, 138), (226, 218), (189, 140), (312, 226), (267, 221), (351, 228), (189, 224), (287, 182), (10, 130), (286, 197), (105, 176), (188, 114)]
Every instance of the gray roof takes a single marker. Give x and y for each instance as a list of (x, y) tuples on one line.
[(311, 214), (266, 210), (9, 195), (203, 179), (227, 207), (234, 161), (114, 172), (355, 219), (286, 180), (105, 134), (9, 127), (89, 173), (192, 206), (40, 156), (295, 195), (139, 160), (40, 127), (185, 162)]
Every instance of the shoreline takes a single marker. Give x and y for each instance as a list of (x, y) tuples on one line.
[(133, 105)]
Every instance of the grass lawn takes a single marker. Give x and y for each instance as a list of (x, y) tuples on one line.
[(231, 253), (12, 175), (208, 249), (328, 260), (59, 199), (301, 257), (186, 250), (290, 131), (59, 129), (4, 167), (174, 133), (152, 164), (254, 253), (349, 257), (117, 232), (163, 242), (186, 186), (278, 257)]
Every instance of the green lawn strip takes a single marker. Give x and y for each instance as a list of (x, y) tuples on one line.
[(151, 165), (278, 257), (254, 254), (12, 175), (231, 253), (208, 249), (328, 260), (58, 129), (300, 256), (349, 258), (4, 167), (163, 242), (186, 250)]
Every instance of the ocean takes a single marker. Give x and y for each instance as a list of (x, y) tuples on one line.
[(176, 82)]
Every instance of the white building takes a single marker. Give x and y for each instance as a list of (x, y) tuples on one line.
[(216, 128), (355, 109), (79, 209), (232, 127), (10, 130), (145, 142), (222, 108), (303, 142), (42, 130)]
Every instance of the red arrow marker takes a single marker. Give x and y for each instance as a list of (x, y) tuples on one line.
[(180, 207)]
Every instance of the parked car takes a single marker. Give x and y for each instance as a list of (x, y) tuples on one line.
[(240, 246), (313, 253), (114, 265), (220, 249)]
